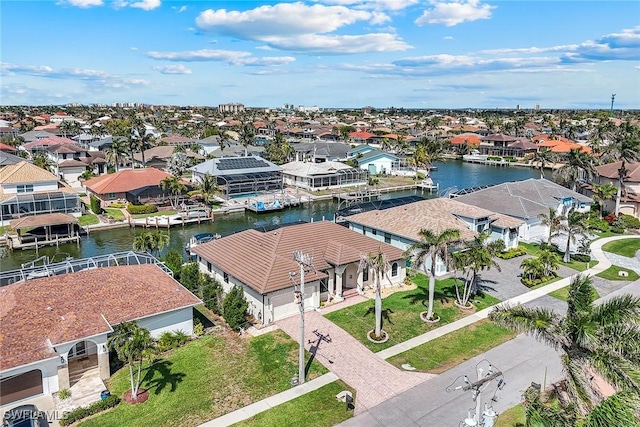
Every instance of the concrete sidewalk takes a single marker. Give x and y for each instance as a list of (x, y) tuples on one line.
[(598, 254), (268, 403)]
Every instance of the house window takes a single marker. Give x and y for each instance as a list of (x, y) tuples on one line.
[(387, 238), (365, 275), (374, 231), (225, 276), (25, 188), (394, 269), (112, 196), (209, 266)]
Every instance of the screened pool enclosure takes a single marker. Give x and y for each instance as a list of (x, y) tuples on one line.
[(20, 205)]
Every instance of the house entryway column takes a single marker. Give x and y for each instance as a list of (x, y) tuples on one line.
[(339, 280), (103, 361), (63, 373), (331, 285)]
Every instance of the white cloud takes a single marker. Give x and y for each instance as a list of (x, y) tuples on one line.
[(301, 27), (172, 69), (146, 4), (562, 48), (179, 9), (229, 56), (454, 13), (95, 77), (81, 3), (336, 44), (392, 5), (448, 38)]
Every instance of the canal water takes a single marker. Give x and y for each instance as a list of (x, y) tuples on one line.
[(450, 175)]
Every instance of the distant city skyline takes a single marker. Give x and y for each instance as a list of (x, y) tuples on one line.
[(330, 53)]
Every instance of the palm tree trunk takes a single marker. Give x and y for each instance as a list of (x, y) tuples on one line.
[(618, 196), (567, 255), (432, 289), (133, 388), (378, 312)]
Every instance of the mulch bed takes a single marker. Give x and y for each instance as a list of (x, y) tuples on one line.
[(143, 396)]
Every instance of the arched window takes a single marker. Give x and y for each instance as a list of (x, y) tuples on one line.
[(394, 269)]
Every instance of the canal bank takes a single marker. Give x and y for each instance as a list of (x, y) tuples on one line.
[(450, 175)]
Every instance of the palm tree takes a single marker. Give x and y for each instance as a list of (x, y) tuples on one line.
[(131, 342), (139, 139), (579, 165), (602, 193), (544, 157), (380, 266), (553, 221), (595, 341), (625, 148), (149, 242), (115, 153), (532, 268), (42, 161), (246, 135), (575, 224), (175, 187), (432, 247), (550, 262), (477, 256), (208, 186)]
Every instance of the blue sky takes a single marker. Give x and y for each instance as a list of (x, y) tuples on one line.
[(330, 53)]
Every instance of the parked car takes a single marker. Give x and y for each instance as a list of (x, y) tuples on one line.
[(25, 416)]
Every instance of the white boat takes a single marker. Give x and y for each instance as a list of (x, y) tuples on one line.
[(475, 157), (199, 239)]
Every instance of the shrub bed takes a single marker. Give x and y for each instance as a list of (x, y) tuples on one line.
[(530, 283), (94, 408), (95, 205), (512, 253), (141, 209), (170, 340), (581, 257)]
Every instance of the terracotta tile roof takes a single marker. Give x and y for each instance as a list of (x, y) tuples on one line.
[(264, 260), (610, 170), (46, 142), (5, 147), (82, 304), (469, 139), (126, 180), (436, 215), (43, 219), (361, 135), (24, 172)]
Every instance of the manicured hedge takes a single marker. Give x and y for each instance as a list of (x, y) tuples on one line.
[(512, 253), (531, 283), (141, 209), (95, 205), (94, 408), (581, 257)]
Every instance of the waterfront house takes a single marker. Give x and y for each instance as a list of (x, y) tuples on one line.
[(630, 200), (263, 265), (320, 151), (400, 226), (527, 200), (322, 176), (137, 186), (496, 144), (26, 189), (240, 175), (158, 157), (54, 330), (378, 162)]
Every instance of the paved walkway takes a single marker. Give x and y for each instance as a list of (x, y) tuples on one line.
[(625, 262), (374, 379)]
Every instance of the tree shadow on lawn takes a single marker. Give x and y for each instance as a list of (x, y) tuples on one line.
[(165, 378), (386, 314), (443, 295)]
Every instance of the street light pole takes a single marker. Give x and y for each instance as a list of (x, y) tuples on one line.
[(480, 418)]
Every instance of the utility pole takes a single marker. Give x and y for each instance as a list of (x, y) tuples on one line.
[(613, 98), (480, 418), (305, 261)]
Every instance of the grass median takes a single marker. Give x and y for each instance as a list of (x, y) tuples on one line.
[(447, 351), (624, 247)]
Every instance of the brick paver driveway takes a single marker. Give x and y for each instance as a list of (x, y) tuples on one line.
[(374, 379)]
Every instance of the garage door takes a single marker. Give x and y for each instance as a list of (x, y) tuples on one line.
[(20, 386)]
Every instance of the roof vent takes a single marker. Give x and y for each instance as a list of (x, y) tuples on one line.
[(49, 308)]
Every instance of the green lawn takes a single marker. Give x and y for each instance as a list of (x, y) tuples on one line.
[(514, 417), (207, 378), (624, 247), (320, 408), (451, 349), (115, 214), (401, 312), (611, 273), (88, 219), (153, 214)]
